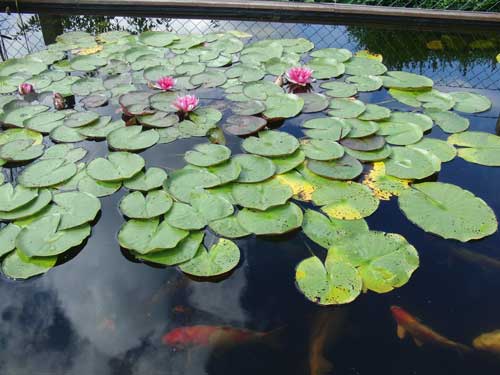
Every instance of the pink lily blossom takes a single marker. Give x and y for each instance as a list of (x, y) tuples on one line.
[(186, 103), (165, 83), (299, 75), (25, 88)]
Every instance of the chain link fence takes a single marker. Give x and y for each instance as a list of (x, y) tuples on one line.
[(451, 59), (474, 5)]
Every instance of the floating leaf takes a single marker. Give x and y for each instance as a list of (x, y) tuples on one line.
[(184, 216), (228, 227), (469, 102), (254, 168), (271, 143), (158, 120), (75, 208), (339, 54), (220, 259), (435, 99), (47, 172), (375, 155), (149, 236), (12, 198), (41, 201), (262, 195), (100, 128), (382, 185), (183, 182), (360, 128), (406, 97), (326, 128), (42, 238), (443, 150), (18, 266), (405, 80), (345, 200), (63, 134), (248, 108), (152, 179), (345, 168), (365, 83), (479, 147), (8, 235), (226, 172), (16, 117), (211, 207), (313, 102), (326, 231), (370, 143), (448, 211), (384, 260), (409, 163), (302, 188), (209, 79), (283, 106), (98, 188), (400, 133), (333, 283), (207, 154), (286, 163), (116, 167), (132, 138), (20, 150), (44, 122), (326, 67), (87, 86), (137, 206), (423, 121), (346, 108), (273, 221), (339, 89), (450, 122), (157, 38), (322, 149), (360, 66), (261, 90), (244, 125), (375, 112)]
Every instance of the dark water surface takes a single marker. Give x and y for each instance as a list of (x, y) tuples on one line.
[(102, 313)]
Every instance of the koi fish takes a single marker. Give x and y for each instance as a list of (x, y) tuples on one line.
[(406, 323), (489, 342), (326, 327), (205, 336), (481, 260)]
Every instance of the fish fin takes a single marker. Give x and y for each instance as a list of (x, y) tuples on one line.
[(461, 348), (274, 338), (323, 367), (401, 331), (418, 342)]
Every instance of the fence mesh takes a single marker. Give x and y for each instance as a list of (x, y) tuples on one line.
[(449, 58)]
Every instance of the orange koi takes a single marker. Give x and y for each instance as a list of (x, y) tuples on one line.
[(407, 323)]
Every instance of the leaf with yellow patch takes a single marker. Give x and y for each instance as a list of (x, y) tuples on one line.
[(88, 51), (369, 55), (382, 185), (302, 189)]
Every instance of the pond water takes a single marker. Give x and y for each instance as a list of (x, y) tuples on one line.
[(100, 311)]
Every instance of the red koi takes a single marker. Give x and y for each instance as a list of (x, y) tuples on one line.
[(407, 323)]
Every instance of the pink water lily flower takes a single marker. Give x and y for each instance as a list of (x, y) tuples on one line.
[(165, 83), (186, 103), (299, 75), (25, 88)]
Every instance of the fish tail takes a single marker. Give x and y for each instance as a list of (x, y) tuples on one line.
[(462, 349), (274, 338), (323, 367)]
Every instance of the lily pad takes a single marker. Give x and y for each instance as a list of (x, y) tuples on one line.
[(333, 283), (375, 155), (469, 102), (117, 166), (137, 206), (478, 147), (326, 67), (262, 195), (412, 163), (20, 150), (435, 99), (157, 38), (448, 211), (75, 208), (370, 143), (64, 134), (360, 66), (183, 182), (375, 112), (100, 128), (271, 143), (248, 108), (254, 168), (443, 150), (207, 154), (149, 236), (36, 205), (158, 120), (228, 227), (98, 188), (283, 106), (339, 89), (346, 108), (184, 216), (313, 102), (360, 128), (450, 122), (273, 221), (226, 172), (43, 238), (400, 133), (345, 168), (383, 185), (261, 90), (339, 54), (16, 117), (423, 121), (210, 206), (365, 83), (12, 197), (47, 172), (322, 149), (209, 79), (18, 266), (220, 259), (8, 235), (152, 179), (244, 125), (405, 80), (132, 138), (44, 122), (284, 164)]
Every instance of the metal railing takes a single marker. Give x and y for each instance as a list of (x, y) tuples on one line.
[(460, 60)]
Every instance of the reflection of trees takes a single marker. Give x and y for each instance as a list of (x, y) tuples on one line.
[(403, 49)]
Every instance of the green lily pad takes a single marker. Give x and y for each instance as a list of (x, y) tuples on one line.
[(400, 133), (44, 122), (322, 149), (366, 156), (469, 102), (17, 116), (326, 67), (313, 102), (227, 171), (149, 236), (345, 168), (345, 200), (245, 73), (478, 147), (360, 66), (271, 143), (182, 252), (87, 86), (339, 54), (157, 38), (412, 163), (326, 128), (64, 134), (273, 221), (47, 172), (117, 166), (244, 125), (10, 135), (211, 207), (12, 197), (18, 266), (435, 99), (283, 106), (326, 231), (43, 238), (339, 89), (360, 128), (449, 122), (375, 112), (346, 108), (29, 66), (405, 80), (284, 164), (158, 120), (370, 143), (423, 121), (443, 150), (262, 195), (20, 150), (207, 154), (183, 182), (220, 259), (98, 188), (152, 179), (101, 128), (407, 97), (75, 208), (365, 83), (261, 90), (333, 283), (8, 235), (137, 206), (448, 211), (87, 63), (184, 216), (248, 108), (228, 227), (36, 205), (385, 261), (132, 138), (209, 79), (254, 168), (78, 119)]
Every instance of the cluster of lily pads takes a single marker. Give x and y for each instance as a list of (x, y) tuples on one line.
[(352, 155)]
